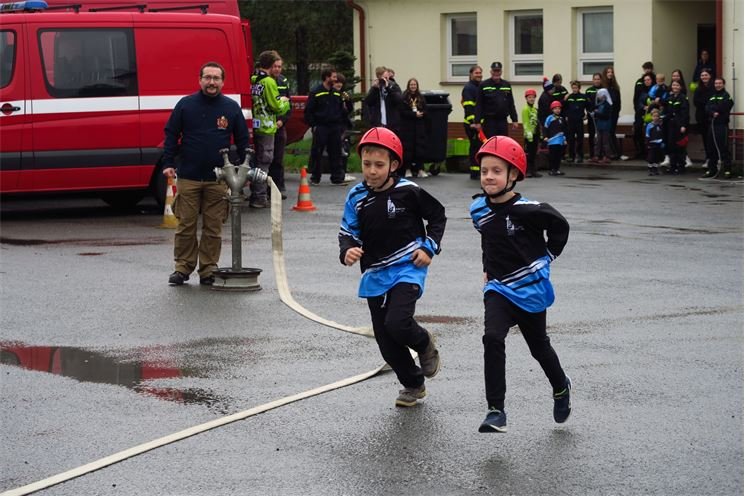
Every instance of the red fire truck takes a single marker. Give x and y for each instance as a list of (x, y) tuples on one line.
[(85, 90)]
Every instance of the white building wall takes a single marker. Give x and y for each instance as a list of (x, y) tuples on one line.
[(410, 36)]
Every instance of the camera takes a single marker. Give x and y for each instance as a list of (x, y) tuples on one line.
[(382, 82)]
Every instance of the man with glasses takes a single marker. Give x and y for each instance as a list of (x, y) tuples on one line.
[(268, 104), (200, 126), (494, 103)]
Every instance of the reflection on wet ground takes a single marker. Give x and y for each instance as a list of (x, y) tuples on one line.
[(153, 240), (98, 367)]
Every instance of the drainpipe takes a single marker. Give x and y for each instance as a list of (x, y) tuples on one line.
[(363, 43)]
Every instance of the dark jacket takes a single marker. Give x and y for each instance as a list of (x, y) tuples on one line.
[(284, 90), (468, 98), (204, 125), (393, 103), (640, 87), (602, 115), (544, 108), (413, 132), (324, 107), (495, 100), (720, 102), (700, 99), (575, 106)]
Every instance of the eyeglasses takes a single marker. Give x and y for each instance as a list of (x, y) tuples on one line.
[(216, 79)]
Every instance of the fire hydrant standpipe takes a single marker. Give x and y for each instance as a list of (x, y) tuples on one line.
[(237, 277)]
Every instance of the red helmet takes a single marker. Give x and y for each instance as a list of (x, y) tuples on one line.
[(555, 103), (529, 92), (386, 138), (507, 149)]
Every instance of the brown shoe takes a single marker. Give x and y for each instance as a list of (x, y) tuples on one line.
[(429, 359)]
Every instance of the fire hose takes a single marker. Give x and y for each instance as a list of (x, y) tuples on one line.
[(287, 298)]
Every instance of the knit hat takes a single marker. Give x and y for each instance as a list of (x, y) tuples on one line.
[(547, 85)]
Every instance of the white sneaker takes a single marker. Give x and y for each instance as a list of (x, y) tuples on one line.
[(422, 173), (623, 157), (689, 162), (349, 178), (666, 162), (407, 174)]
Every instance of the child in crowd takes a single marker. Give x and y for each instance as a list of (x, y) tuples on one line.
[(575, 106), (531, 131), (654, 135), (657, 97), (382, 228), (602, 116), (555, 138), (591, 93), (519, 239), (677, 114)]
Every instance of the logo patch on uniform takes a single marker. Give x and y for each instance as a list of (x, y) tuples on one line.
[(222, 122), (512, 228), (393, 210)]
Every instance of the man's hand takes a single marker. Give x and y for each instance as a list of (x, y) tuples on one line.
[(420, 258), (515, 125), (169, 172), (353, 255)]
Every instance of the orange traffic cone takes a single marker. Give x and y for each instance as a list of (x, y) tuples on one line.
[(304, 203), (169, 220)]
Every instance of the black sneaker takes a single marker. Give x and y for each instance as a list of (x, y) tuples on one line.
[(709, 174), (727, 175), (177, 278), (315, 182), (563, 403), (495, 421), (429, 359), (207, 281)]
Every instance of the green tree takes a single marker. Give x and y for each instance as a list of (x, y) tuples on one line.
[(305, 33)]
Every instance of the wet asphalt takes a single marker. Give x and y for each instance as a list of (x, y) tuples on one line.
[(99, 354)]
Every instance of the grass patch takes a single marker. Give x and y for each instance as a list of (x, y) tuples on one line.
[(297, 156)]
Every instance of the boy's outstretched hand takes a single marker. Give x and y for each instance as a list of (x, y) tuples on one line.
[(420, 258), (353, 255)]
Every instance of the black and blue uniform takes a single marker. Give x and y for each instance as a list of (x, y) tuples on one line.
[(519, 239), (389, 226)]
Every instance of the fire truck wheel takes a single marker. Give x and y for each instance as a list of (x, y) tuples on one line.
[(122, 199), (158, 185)]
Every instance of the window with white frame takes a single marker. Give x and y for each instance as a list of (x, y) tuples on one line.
[(461, 45), (526, 45), (595, 41)]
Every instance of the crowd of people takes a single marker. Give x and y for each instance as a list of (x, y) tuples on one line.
[(558, 120)]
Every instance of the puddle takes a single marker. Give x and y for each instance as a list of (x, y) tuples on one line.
[(102, 242), (91, 253), (669, 228), (96, 367), (443, 319)]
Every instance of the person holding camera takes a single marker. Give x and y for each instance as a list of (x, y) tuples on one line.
[(382, 105)]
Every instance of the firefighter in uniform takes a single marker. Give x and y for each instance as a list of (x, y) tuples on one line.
[(468, 100), (325, 114), (494, 104)]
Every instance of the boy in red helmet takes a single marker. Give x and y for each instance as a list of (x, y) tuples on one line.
[(531, 131), (555, 138), (382, 228), (519, 239)]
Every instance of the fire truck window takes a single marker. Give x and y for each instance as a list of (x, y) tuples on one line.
[(7, 56), (80, 63)]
